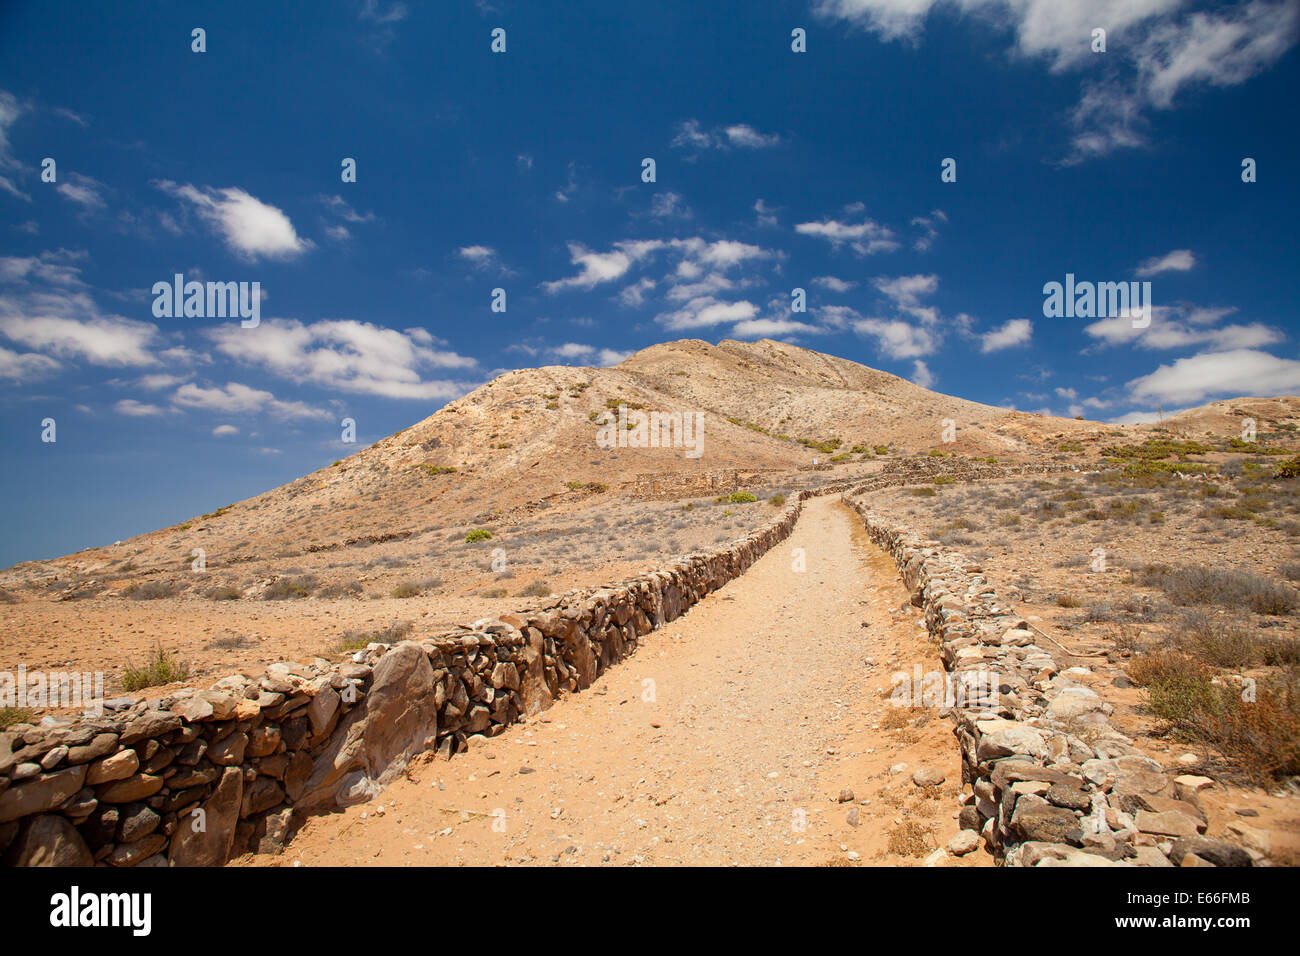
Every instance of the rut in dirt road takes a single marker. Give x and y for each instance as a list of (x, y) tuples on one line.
[(728, 738)]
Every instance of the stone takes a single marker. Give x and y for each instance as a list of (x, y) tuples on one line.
[(115, 767), (1068, 797), (48, 840), (396, 720), (967, 841), (41, 793), (229, 750), (1251, 838), (322, 710), (1150, 856), (100, 746), (149, 725), (262, 794), (1038, 821), (53, 758), (263, 741), (928, 777), (193, 708), (1215, 852), (133, 788), (211, 845), (1005, 738), (846, 795), (1167, 823), (132, 854), (136, 821)]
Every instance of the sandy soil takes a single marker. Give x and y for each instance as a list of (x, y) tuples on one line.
[(770, 698)]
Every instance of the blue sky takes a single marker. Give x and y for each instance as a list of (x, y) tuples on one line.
[(522, 170)]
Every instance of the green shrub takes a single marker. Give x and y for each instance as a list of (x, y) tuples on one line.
[(776, 501), (16, 715), (158, 670), (740, 498), (478, 534)]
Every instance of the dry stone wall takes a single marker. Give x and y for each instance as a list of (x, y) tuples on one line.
[(1053, 783), (200, 776)]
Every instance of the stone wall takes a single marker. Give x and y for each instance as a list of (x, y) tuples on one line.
[(1053, 783), (197, 777)]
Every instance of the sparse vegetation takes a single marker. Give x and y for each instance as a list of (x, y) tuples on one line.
[(359, 640), (151, 590), (161, 668), (1224, 587), (15, 715), (290, 587), (225, 592), (406, 589), (536, 589)]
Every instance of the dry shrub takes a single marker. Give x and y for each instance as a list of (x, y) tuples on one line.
[(1256, 727)]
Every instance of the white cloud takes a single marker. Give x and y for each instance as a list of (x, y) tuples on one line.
[(52, 323), (251, 228), (370, 10), (1015, 332), (764, 215), (344, 354), (82, 190), (10, 110), (929, 229), (921, 374), (669, 205), (691, 134), (597, 267), (57, 268), (1180, 260), (157, 382), (341, 208), (129, 406), (222, 430), (866, 238), (746, 137), (238, 398), (898, 339), (705, 311), (833, 284), (767, 328), (24, 367), (1183, 326), (1238, 372), (482, 258), (1156, 48), (695, 257)]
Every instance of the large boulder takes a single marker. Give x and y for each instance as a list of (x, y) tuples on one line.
[(397, 720), (205, 840), (49, 840)]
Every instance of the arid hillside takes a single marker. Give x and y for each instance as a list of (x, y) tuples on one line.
[(528, 441)]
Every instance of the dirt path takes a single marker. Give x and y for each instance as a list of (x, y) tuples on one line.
[(728, 729)]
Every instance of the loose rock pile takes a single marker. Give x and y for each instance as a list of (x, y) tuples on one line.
[(197, 777), (1053, 783)]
